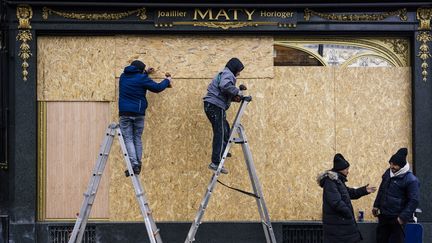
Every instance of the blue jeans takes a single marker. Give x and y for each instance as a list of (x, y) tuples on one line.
[(221, 130), (132, 128)]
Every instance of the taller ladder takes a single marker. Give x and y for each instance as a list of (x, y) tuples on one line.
[(90, 194), (238, 129)]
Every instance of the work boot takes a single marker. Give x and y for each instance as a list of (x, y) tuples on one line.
[(213, 166), (136, 169)]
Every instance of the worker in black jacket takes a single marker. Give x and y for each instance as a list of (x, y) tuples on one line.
[(338, 218), (397, 199)]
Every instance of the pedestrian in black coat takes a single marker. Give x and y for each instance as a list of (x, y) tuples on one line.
[(338, 218), (397, 199)]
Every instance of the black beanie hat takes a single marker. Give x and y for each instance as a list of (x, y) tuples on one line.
[(138, 64), (234, 65), (399, 158), (339, 163)]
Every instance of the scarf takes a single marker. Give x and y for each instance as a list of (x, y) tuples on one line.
[(402, 171)]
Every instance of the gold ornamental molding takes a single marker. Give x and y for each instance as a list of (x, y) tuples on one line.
[(393, 50), (141, 13), (424, 37), (401, 13), (400, 47), (229, 25), (424, 16), (24, 14)]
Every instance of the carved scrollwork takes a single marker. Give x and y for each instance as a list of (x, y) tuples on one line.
[(24, 14), (424, 15), (424, 52), (141, 13), (401, 13), (225, 25), (400, 47)]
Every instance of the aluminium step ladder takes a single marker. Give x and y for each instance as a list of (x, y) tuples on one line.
[(238, 129), (90, 194)]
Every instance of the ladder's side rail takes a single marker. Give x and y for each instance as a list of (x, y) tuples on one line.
[(262, 208), (90, 195), (139, 192), (245, 101), (209, 190)]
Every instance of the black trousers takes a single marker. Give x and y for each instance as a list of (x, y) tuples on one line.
[(221, 130), (389, 230)]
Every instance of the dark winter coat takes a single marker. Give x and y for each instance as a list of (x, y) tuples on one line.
[(398, 196), (133, 88), (338, 218)]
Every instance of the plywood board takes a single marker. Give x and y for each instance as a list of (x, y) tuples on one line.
[(75, 130), (74, 68)]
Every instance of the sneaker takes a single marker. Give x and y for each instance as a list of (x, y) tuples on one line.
[(213, 166)]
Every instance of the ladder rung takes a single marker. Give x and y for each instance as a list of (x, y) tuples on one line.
[(156, 232)]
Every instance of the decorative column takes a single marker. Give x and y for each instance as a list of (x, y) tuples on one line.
[(24, 14)]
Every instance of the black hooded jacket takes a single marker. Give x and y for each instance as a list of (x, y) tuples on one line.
[(234, 65), (339, 223)]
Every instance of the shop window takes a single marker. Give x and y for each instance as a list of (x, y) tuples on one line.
[(342, 52), (286, 56)]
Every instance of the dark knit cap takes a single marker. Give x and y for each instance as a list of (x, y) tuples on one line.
[(399, 158), (339, 163), (138, 64), (235, 65)]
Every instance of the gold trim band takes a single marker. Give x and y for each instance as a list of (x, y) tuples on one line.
[(141, 13), (401, 13)]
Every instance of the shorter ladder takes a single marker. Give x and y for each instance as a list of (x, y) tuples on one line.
[(90, 194), (238, 129)]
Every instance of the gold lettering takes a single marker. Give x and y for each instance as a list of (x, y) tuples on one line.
[(203, 15), (223, 13), (249, 14), (235, 13)]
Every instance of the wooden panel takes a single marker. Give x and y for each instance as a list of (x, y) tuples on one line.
[(196, 56), (373, 120), (298, 119), (75, 131), (76, 68)]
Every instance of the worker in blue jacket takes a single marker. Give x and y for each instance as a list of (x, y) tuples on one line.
[(133, 85), (397, 199)]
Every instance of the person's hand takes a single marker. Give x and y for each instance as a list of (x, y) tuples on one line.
[(242, 87), (150, 70), (375, 212), (168, 76), (370, 189), (400, 221), (236, 98)]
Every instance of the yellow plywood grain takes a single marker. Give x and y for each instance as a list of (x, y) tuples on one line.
[(196, 56), (75, 68), (373, 114), (298, 119)]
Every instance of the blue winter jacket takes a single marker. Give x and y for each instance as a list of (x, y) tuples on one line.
[(398, 196), (132, 91)]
